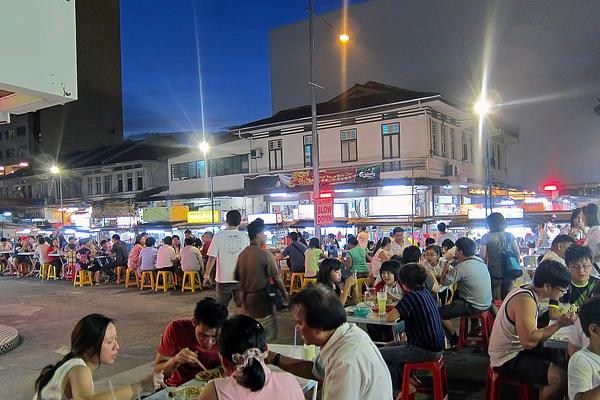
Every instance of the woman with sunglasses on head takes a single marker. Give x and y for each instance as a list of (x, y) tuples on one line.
[(243, 349)]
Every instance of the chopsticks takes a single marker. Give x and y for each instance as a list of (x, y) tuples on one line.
[(201, 365)]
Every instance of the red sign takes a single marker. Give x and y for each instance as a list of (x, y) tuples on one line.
[(324, 211)]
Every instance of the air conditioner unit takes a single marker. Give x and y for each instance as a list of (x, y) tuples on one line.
[(256, 154), (4, 117), (451, 170)]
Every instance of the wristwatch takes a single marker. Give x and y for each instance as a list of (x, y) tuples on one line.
[(276, 359)]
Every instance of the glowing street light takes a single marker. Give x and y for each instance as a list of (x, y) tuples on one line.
[(54, 170), (482, 107), (204, 147), (344, 38)]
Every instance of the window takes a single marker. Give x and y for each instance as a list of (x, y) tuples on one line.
[(435, 138), (107, 184), (349, 145), (444, 141), (452, 144), (119, 183), (275, 155), (21, 151), (10, 153), (130, 181), (90, 186), (390, 136), (21, 131), (11, 134), (188, 170), (140, 180), (229, 165), (98, 185)]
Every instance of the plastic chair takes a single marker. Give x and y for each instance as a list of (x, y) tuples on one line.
[(307, 281), (147, 276), (43, 271), (495, 379), (296, 282), (168, 281), (487, 321), (438, 372), (51, 272), (128, 274), (190, 277), (82, 277), (120, 272)]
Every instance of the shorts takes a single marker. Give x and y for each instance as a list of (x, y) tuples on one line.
[(458, 308), (529, 365)]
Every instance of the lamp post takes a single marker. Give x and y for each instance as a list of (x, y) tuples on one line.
[(343, 38), (482, 108), (205, 149), (54, 170)]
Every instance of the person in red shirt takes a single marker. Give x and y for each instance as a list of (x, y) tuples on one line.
[(187, 343)]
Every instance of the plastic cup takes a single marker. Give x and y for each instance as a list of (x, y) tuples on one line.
[(381, 302), (310, 352)]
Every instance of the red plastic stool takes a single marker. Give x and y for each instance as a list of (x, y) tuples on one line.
[(437, 369), (495, 379), (487, 321)]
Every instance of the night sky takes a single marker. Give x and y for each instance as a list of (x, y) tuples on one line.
[(160, 64)]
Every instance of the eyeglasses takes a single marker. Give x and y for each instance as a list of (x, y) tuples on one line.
[(563, 291), (580, 267)]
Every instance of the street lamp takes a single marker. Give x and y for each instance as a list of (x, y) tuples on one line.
[(205, 148), (482, 108), (344, 38), (54, 170)]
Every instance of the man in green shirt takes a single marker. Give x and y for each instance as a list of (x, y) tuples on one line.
[(356, 259)]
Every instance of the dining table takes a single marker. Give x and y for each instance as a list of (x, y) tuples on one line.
[(560, 339), (309, 386)]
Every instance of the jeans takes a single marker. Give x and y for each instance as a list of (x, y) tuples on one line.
[(398, 354), (226, 292)]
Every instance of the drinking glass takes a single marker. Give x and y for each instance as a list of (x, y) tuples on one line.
[(381, 302)]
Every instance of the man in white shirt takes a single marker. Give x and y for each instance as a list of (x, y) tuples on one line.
[(349, 364), (224, 250), (560, 244), (398, 242), (166, 255), (584, 365)]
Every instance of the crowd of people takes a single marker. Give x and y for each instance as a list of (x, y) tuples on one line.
[(430, 288)]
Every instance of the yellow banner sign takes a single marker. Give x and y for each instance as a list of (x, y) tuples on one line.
[(202, 217)]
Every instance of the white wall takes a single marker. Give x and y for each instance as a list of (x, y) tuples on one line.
[(37, 43)]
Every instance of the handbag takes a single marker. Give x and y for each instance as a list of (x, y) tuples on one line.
[(511, 269), (273, 291)]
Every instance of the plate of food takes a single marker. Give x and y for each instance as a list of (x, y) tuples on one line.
[(210, 374), (185, 392)]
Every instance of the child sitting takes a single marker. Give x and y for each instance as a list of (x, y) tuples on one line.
[(424, 330), (311, 258), (584, 365), (389, 283), (70, 266)]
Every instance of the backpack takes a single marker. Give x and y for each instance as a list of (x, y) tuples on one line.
[(502, 261)]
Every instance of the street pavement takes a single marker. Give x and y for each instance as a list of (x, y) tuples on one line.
[(45, 312)]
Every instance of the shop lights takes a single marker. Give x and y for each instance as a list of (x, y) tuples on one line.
[(278, 194), (7, 213), (536, 200), (344, 190)]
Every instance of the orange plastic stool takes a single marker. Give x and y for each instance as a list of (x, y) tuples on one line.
[(168, 281), (296, 282), (147, 276), (438, 371), (120, 272), (191, 276), (128, 278)]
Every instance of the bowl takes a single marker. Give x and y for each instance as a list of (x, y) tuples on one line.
[(388, 308), (361, 312)]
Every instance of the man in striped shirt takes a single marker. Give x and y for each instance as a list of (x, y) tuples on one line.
[(424, 329)]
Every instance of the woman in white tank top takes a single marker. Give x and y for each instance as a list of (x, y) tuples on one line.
[(93, 342)]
